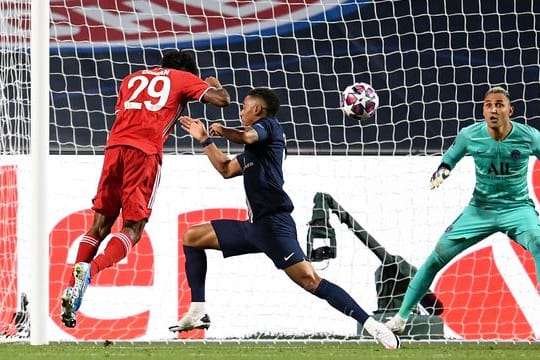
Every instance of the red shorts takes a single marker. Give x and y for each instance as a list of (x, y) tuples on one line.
[(129, 181)]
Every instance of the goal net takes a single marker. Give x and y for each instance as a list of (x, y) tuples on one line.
[(14, 146), (430, 63)]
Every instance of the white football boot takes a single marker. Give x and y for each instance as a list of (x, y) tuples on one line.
[(382, 334), (191, 321), (396, 324)]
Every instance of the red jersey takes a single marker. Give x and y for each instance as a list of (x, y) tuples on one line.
[(149, 104)]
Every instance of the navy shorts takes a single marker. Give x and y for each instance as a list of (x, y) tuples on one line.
[(274, 235)]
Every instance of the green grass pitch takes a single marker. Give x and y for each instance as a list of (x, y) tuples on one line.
[(269, 350)]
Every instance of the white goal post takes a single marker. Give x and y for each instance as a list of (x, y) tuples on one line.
[(24, 112), (39, 153), (430, 63)]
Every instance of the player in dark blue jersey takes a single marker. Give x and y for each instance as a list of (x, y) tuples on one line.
[(270, 228), (500, 202)]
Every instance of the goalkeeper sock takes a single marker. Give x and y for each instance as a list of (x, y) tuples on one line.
[(195, 272), (86, 252), (420, 284), (340, 300), (533, 246), (117, 249)]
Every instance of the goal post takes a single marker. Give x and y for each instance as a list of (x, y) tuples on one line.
[(39, 153), (23, 162), (430, 63)]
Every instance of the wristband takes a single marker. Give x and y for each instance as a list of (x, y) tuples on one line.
[(206, 142), (445, 166)]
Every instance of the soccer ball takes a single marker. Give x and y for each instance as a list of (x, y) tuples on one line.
[(359, 101)]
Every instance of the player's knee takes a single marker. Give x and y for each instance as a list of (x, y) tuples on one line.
[(134, 229), (534, 246), (201, 237), (100, 230), (101, 225), (435, 261), (310, 285), (309, 281), (189, 238)]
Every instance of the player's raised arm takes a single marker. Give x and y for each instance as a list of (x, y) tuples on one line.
[(228, 168), (451, 157), (216, 95), (246, 135)]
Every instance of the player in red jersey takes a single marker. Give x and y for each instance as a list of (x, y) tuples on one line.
[(148, 106)]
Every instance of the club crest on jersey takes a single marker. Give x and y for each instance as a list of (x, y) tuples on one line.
[(515, 154)]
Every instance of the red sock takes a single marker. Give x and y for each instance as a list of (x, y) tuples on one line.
[(117, 249), (87, 250)]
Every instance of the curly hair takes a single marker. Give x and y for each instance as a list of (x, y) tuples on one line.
[(179, 60)]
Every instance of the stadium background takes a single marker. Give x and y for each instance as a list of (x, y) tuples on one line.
[(431, 62)]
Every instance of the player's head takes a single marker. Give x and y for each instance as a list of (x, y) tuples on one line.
[(497, 107), (179, 60), (499, 90), (259, 103), (268, 98)]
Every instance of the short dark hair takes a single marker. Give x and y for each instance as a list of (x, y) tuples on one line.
[(179, 60), (270, 98), (499, 90)]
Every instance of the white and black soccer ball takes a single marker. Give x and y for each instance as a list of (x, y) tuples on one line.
[(359, 101)]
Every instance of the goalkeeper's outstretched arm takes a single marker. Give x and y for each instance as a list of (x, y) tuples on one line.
[(442, 172)]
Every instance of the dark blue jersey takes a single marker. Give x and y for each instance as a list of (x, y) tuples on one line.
[(262, 166)]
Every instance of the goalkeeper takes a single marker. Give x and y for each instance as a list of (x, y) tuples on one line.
[(500, 202), (271, 229)]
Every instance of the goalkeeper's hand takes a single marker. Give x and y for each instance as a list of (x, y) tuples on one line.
[(442, 172)]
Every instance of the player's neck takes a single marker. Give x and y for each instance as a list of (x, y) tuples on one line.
[(500, 133)]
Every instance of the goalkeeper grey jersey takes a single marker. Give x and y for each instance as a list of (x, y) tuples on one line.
[(501, 166)]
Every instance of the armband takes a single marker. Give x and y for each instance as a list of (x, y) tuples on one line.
[(206, 142)]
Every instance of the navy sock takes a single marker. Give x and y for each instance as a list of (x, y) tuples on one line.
[(195, 272), (341, 300)]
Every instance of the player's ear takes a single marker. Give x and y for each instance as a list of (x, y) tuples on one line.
[(259, 108), (511, 112)]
